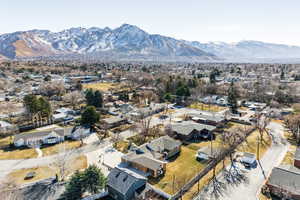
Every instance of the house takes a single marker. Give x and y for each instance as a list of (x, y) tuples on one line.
[(112, 122), (40, 138), (207, 153), (123, 184), (79, 132), (64, 110), (147, 111), (126, 108), (6, 127), (190, 130), (215, 99), (214, 120), (59, 117), (285, 179), (150, 157), (297, 158)]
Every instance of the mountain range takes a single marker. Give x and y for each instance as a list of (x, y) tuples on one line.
[(130, 42)]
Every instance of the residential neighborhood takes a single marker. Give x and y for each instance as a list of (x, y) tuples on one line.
[(144, 139)]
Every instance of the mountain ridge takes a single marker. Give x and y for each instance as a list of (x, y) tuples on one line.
[(130, 41)]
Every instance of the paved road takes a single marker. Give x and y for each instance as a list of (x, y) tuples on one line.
[(7, 166), (272, 158)]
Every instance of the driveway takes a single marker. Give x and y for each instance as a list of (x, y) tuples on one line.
[(272, 158)]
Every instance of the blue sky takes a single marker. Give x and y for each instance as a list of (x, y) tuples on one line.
[(275, 21)]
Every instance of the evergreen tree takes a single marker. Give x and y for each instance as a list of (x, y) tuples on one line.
[(94, 180), (89, 116), (98, 99), (89, 96), (90, 180), (232, 98), (167, 97), (94, 98), (212, 77), (74, 187)]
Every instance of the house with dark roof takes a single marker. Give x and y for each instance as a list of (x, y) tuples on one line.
[(190, 130), (284, 180), (123, 184), (150, 157)]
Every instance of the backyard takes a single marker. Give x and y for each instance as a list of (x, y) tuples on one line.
[(207, 107), (179, 171), (100, 86)]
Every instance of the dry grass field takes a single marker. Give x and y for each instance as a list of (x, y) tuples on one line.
[(44, 172), (207, 107), (100, 86)]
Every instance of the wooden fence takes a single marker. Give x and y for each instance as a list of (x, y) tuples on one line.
[(208, 168)]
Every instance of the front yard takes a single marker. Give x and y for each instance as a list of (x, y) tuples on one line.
[(54, 149), (179, 171), (8, 151), (44, 172), (251, 143)]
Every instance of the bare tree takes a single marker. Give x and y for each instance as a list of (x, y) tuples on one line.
[(73, 98), (230, 140), (53, 88), (62, 162)]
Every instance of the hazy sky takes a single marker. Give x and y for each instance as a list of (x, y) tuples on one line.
[(202, 20)]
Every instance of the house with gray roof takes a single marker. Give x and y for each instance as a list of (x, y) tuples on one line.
[(112, 122), (40, 137), (209, 119), (150, 158), (123, 184), (190, 130), (53, 136), (285, 180)]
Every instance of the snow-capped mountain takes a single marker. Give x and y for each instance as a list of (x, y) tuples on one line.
[(128, 41), (246, 50), (124, 40)]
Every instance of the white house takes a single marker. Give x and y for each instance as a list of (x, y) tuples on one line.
[(39, 138)]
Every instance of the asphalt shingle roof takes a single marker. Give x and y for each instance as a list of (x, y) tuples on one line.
[(123, 179), (148, 154), (41, 134), (215, 118), (186, 127), (286, 177)]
